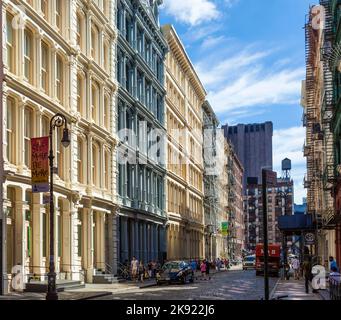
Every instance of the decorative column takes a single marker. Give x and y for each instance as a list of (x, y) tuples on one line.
[(136, 240), (145, 241)]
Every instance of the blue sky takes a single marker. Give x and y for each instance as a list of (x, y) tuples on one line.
[(249, 55)]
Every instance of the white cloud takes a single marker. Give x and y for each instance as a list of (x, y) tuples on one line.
[(247, 80), (192, 12), (288, 143)]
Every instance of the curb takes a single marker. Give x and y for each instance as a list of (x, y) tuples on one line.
[(273, 291), (100, 295)]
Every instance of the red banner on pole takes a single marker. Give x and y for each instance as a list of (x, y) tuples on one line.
[(40, 164)]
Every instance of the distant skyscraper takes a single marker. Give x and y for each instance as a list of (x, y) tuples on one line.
[(253, 145)]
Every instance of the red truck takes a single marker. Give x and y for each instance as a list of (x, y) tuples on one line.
[(274, 261)]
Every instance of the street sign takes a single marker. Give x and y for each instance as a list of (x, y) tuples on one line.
[(40, 164), (224, 229), (309, 238)]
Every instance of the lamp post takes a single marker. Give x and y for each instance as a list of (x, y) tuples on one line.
[(57, 121)]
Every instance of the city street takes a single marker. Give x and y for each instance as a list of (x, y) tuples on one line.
[(231, 285)]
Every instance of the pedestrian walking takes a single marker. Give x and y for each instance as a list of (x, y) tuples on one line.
[(141, 271), (333, 264), (307, 272), (134, 265), (208, 269), (149, 266), (153, 269), (203, 270), (296, 266)]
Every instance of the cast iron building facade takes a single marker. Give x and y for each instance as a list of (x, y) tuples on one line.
[(253, 145), (141, 129)]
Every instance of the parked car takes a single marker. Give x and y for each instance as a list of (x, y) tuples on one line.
[(249, 262), (175, 272)]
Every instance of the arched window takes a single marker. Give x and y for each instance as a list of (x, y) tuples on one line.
[(28, 55), (59, 15), (45, 69), (28, 134), (107, 160), (106, 112), (95, 102), (95, 43), (10, 128), (95, 165), (59, 79), (79, 30), (10, 43), (45, 126)]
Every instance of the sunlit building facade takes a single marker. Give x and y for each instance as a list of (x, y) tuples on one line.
[(59, 57), (184, 100)]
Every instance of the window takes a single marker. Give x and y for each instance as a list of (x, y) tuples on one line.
[(45, 126), (59, 14), (28, 133), (95, 43), (106, 115), (95, 165), (95, 102), (59, 79), (79, 231), (106, 169), (10, 125), (79, 31), (59, 153), (44, 67), (79, 94), (28, 55), (44, 7), (106, 57), (10, 43), (79, 160)]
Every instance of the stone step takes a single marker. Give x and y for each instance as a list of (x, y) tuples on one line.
[(105, 279), (61, 285)]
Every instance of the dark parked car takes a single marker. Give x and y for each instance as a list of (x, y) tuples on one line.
[(175, 272)]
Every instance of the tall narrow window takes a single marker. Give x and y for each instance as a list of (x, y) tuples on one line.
[(10, 43), (95, 43), (45, 126), (79, 231), (28, 133), (59, 79), (79, 31), (79, 93), (95, 102), (106, 169), (106, 113), (59, 14), (28, 55), (10, 125), (44, 67), (95, 165), (106, 57), (59, 153), (79, 160), (44, 7)]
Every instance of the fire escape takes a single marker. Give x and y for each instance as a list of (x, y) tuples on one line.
[(311, 43), (329, 177)]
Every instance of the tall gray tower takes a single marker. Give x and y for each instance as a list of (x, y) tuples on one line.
[(253, 145)]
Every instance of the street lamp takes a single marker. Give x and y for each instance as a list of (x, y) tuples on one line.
[(57, 121)]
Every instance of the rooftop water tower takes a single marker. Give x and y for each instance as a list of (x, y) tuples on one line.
[(286, 169)]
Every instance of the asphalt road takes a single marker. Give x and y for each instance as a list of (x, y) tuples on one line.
[(231, 285)]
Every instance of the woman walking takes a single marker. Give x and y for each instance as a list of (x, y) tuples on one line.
[(141, 271), (203, 270)]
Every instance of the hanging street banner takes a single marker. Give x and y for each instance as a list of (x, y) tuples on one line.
[(40, 164), (224, 229)]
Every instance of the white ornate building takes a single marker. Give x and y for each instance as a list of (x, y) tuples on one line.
[(60, 56)]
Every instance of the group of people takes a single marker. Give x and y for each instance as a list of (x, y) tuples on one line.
[(139, 271), (306, 269), (221, 263)]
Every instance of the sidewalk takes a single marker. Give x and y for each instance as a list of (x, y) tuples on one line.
[(294, 289)]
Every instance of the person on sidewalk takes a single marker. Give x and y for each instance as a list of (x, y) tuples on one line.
[(134, 265), (296, 266), (307, 272), (333, 264), (141, 271), (203, 270), (208, 270)]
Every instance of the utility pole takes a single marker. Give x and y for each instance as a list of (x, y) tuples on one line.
[(3, 252), (265, 234)]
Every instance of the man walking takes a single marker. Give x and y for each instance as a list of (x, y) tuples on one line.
[(333, 264), (134, 266), (296, 266), (307, 267)]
